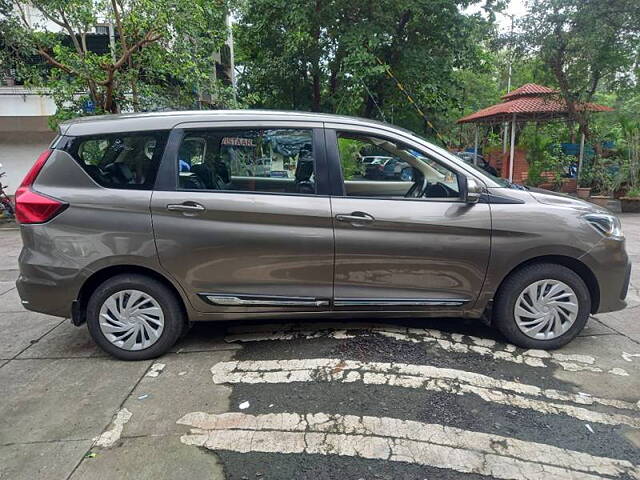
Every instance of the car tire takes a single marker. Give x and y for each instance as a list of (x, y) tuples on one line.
[(155, 295), (572, 291)]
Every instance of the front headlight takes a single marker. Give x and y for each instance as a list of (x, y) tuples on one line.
[(608, 225)]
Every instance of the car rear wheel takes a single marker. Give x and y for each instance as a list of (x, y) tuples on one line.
[(134, 317), (542, 306)]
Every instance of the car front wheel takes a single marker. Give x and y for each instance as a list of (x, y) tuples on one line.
[(134, 317), (542, 306)]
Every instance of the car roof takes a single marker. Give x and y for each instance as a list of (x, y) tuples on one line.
[(131, 122)]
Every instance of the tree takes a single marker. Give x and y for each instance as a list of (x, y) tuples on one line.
[(161, 56), (584, 43), (334, 55)]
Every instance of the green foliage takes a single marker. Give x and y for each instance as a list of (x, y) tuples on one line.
[(323, 56), (350, 157), (548, 164), (583, 44), (633, 192), (608, 175), (162, 56)]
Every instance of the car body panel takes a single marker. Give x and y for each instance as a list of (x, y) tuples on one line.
[(263, 247), (100, 228), (246, 244), (408, 252), (248, 251)]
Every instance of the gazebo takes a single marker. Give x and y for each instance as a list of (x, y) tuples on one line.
[(529, 103)]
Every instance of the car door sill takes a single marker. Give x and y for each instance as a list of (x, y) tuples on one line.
[(234, 300), (399, 302)]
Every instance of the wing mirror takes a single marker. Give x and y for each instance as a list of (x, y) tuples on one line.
[(471, 190)]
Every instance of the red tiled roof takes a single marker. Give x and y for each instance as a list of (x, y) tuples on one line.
[(528, 106), (529, 89)]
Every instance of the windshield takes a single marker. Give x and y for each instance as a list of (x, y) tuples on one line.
[(503, 182)]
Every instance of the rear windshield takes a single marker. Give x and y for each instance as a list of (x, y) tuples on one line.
[(123, 160)]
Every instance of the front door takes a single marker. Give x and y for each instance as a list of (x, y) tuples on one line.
[(404, 239), (241, 226)]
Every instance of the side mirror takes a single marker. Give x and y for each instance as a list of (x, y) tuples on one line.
[(472, 190)]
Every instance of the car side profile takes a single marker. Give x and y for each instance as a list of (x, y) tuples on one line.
[(140, 224)]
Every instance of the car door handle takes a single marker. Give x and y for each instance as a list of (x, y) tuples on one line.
[(188, 207), (355, 217)]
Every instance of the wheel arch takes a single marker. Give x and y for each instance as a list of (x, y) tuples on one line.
[(78, 310), (581, 269)]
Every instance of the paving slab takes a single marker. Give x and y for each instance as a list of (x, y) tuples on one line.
[(155, 458), (9, 275), (6, 286), (184, 385), (625, 321), (65, 341), (607, 351), (204, 337), (595, 327), (9, 258), (10, 302), (71, 399), (20, 329), (635, 337), (51, 460)]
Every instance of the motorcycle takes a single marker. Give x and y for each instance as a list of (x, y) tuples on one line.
[(6, 207)]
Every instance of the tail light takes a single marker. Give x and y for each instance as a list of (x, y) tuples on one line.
[(32, 207)]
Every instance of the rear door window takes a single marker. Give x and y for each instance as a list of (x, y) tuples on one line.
[(278, 160), (127, 160)]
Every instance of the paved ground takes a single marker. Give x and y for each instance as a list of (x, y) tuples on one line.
[(414, 400)]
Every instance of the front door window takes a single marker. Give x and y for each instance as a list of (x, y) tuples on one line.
[(377, 167)]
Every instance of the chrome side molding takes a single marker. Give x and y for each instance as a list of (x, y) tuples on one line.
[(227, 300), (236, 300), (399, 302)]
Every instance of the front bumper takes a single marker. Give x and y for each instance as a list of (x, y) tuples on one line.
[(609, 262)]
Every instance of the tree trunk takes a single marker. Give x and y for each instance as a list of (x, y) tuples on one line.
[(316, 92)]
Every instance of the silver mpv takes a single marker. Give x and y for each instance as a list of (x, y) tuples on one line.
[(140, 224)]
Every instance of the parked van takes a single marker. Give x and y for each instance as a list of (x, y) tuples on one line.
[(118, 233)]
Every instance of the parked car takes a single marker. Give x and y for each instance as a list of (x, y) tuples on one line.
[(481, 162), (113, 239), (389, 168)]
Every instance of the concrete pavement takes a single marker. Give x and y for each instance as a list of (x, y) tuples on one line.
[(401, 399)]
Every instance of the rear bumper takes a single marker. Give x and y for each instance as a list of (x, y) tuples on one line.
[(40, 295), (46, 289)]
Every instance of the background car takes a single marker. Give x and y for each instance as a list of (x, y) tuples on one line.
[(389, 168), (368, 160)]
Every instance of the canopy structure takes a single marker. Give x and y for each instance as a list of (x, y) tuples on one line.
[(529, 103)]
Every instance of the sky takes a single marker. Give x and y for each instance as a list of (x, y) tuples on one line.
[(515, 7)]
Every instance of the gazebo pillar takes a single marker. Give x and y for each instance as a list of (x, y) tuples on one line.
[(513, 146), (505, 135), (475, 148)]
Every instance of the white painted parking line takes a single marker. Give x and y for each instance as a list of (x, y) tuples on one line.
[(398, 440), (109, 438), (450, 342), (427, 377)]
